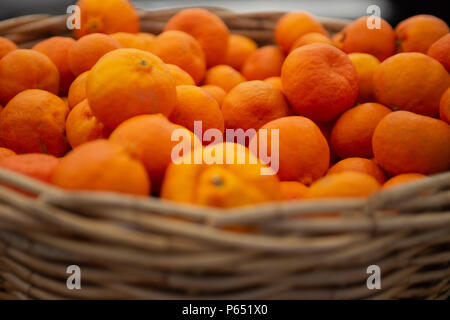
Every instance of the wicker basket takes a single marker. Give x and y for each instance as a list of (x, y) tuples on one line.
[(132, 247)]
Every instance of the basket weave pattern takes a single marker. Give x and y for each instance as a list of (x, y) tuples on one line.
[(145, 248)]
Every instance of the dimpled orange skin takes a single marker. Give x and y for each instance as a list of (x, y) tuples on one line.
[(444, 106), (402, 179), (5, 152), (399, 83), (85, 53), (6, 46), (82, 126), (181, 49), (35, 165), (77, 90), (319, 81), (34, 122), (440, 50), (216, 92), (180, 77), (365, 65), (252, 104), (275, 81), (352, 133), (194, 104), (221, 185), (363, 165), (142, 41), (102, 166), (264, 63), (348, 184), (224, 77), (293, 25), (304, 155), (239, 49), (292, 190), (405, 142), (57, 49), (148, 137), (209, 30), (24, 69), (357, 37), (145, 87), (418, 33), (107, 16), (309, 38)]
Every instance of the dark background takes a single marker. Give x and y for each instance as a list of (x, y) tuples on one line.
[(391, 10)]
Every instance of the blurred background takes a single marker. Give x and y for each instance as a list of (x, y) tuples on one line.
[(391, 10)]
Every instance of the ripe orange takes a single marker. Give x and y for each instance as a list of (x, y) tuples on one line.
[(311, 37), (292, 190), (440, 50), (141, 41), (294, 25), (444, 106), (252, 104), (24, 69), (77, 90), (181, 49), (402, 178), (275, 81), (224, 77), (216, 92), (326, 128), (405, 142), (180, 77), (6, 46), (362, 165), (107, 16), (365, 65), (352, 133), (319, 81), (5, 152), (207, 28), (264, 63), (239, 49), (418, 33), (34, 165), (34, 122), (129, 82), (399, 83)]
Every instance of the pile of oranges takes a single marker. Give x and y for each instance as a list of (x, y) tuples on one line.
[(362, 110)]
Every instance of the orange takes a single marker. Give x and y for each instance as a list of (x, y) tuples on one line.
[(399, 83), (319, 81), (6, 46), (338, 40), (326, 128), (292, 190), (348, 184), (221, 185), (352, 133), (107, 16), (363, 165), (275, 81), (77, 90), (311, 37), (129, 82), (34, 122), (24, 69), (252, 104), (216, 92), (418, 33), (402, 178), (304, 155), (101, 166), (444, 106), (88, 50), (57, 49), (207, 28), (142, 41), (239, 49), (194, 104), (365, 65), (293, 25), (179, 75), (440, 50), (224, 77), (264, 63), (181, 49), (149, 138), (358, 37), (405, 142), (82, 126), (34, 165), (5, 152)]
